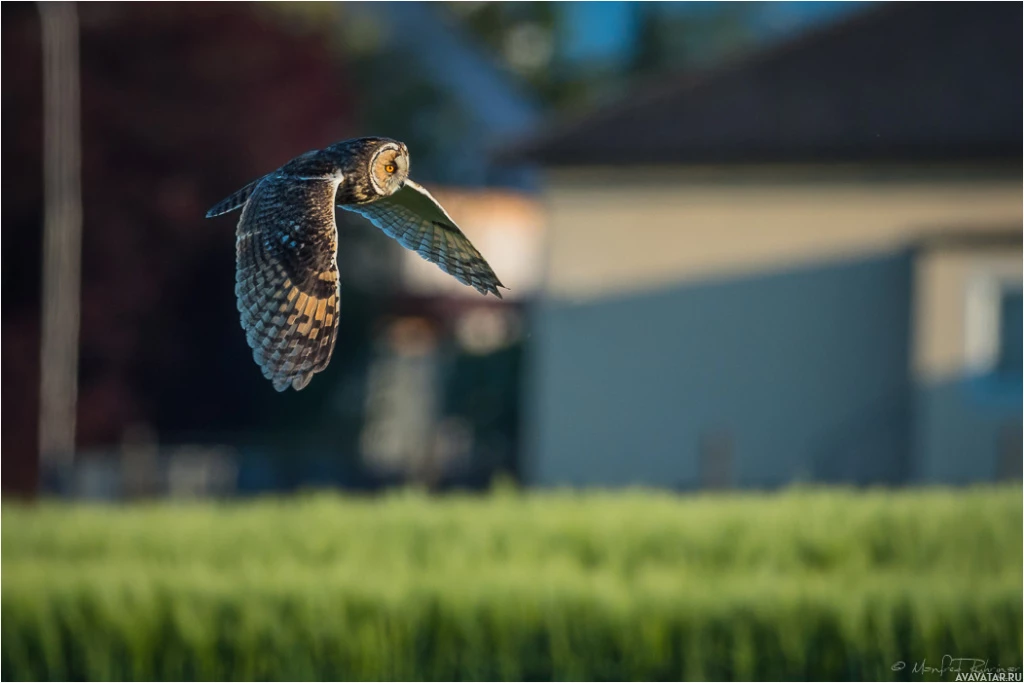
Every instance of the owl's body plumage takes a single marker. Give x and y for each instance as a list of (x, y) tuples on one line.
[(286, 281)]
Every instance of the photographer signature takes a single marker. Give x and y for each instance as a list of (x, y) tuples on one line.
[(951, 664)]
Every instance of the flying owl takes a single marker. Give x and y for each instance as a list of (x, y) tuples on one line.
[(286, 280)]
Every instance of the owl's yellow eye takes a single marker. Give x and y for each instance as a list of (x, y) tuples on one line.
[(390, 168)]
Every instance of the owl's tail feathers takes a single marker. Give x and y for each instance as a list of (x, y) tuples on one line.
[(236, 201)]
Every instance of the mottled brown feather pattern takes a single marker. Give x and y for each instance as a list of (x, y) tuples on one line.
[(287, 278), (443, 245)]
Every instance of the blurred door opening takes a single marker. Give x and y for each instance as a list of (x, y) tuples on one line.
[(716, 461)]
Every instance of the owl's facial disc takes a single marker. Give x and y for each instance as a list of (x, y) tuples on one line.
[(389, 168)]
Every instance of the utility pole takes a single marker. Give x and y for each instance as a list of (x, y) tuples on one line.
[(62, 236)]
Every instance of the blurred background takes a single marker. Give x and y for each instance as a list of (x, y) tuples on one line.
[(764, 270), (747, 244)]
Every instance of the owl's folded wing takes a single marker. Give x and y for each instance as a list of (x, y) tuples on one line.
[(287, 277), (414, 218)]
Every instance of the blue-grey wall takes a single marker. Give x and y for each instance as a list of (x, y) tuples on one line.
[(967, 430), (805, 371)]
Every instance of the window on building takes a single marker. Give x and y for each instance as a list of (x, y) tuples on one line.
[(1010, 351)]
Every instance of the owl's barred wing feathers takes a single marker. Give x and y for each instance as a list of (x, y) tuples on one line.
[(287, 277), (286, 281), (235, 201), (414, 218)]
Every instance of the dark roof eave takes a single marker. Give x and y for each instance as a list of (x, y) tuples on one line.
[(997, 155), (787, 104)]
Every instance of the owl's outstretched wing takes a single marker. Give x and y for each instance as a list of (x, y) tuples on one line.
[(287, 277), (414, 218)]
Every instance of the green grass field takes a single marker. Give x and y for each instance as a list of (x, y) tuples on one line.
[(822, 584)]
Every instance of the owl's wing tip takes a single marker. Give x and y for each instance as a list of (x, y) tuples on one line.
[(235, 201), (488, 288), (219, 210), (283, 384)]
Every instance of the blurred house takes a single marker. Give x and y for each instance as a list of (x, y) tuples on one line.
[(802, 266)]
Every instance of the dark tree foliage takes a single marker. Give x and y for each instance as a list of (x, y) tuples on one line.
[(181, 105)]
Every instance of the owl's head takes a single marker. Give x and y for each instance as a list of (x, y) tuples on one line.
[(389, 167)]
